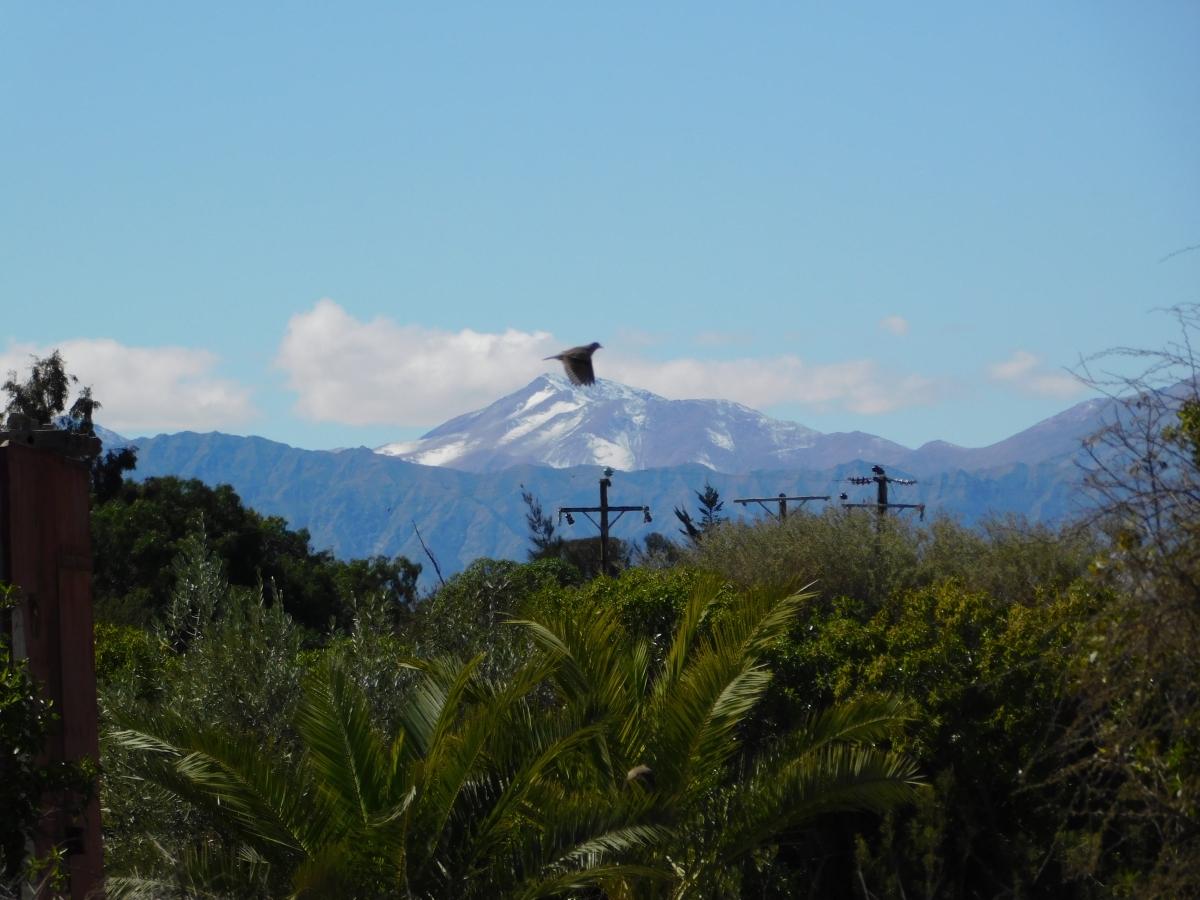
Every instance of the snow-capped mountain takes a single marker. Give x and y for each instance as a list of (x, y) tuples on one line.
[(551, 422)]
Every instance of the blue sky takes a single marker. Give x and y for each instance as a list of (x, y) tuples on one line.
[(340, 225)]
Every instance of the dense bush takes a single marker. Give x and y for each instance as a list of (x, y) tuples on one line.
[(986, 680), (138, 532), (846, 553)]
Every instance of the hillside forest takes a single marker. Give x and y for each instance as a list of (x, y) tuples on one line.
[(843, 705)]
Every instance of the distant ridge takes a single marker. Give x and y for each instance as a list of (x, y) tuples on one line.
[(360, 502), (551, 422)]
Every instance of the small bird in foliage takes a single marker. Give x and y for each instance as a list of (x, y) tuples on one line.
[(642, 774), (578, 363)]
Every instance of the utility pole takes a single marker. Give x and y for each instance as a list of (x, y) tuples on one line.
[(603, 509), (783, 500), (881, 479)]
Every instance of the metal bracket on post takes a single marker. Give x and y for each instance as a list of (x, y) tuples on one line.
[(881, 505)]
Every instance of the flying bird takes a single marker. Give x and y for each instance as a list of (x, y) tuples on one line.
[(578, 363)]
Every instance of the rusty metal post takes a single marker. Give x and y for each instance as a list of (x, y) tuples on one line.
[(45, 553)]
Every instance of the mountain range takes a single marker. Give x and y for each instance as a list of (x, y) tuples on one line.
[(551, 422), (461, 483)]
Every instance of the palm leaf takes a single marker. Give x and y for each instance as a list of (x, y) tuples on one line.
[(785, 792), (345, 751), (258, 799)]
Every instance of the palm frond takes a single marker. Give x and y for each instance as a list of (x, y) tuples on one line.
[(491, 828), (204, 872), (345, 751), (566, 883), (866, 719), (259, 799), (785, 792), (700, 601)]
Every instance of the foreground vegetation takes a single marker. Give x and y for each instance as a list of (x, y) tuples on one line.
[(841, 705), (961, 665)]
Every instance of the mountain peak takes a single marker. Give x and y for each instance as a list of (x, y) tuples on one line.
[(552, 422), (602, 389)]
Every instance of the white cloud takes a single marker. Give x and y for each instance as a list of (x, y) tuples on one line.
[(894, 324), (859, 385), (379, 372), (146, 388), (365, 373), (1024, 372)]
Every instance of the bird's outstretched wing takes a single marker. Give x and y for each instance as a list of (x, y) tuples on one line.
[(579, 369), (578, 364)]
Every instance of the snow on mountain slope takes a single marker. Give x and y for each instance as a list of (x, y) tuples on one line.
[(551, 422)]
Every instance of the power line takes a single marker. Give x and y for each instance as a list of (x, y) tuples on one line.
[(783, 500), (1177, 252)]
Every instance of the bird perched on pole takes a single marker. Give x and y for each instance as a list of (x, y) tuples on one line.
[(578, 363)]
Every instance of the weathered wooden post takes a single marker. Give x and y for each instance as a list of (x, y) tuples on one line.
[(45, 551), (605, 484)]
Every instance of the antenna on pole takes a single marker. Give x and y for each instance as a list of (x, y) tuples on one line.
[(603, 509), (881, 504)]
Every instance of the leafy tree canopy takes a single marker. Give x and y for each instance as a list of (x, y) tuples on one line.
[(137, 533)]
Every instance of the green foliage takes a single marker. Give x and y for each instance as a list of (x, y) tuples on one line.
[(138, 533), (672, 729), (985, 678), (541, 529), (466, 616), (461, 801), (657, 552), (1187, 432), (848, 553), (108, 473), (218, 655), (128, 658), (483, 787), (1131, 755), (977, 628), (26, 777), (1043, 683), (649, 602), (392, 582)]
